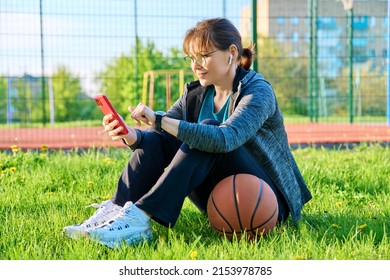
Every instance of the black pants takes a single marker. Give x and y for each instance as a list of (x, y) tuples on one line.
[(163, 171)]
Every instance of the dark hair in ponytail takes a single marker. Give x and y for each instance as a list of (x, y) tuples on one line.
[(219, 33), (247, 56)]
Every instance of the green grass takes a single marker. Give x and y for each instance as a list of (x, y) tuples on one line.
[(43, 191)]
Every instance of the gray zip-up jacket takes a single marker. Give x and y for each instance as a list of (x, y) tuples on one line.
[(254, 122)]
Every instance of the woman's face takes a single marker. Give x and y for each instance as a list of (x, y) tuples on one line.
[(210, 66)]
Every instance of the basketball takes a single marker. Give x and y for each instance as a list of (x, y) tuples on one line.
[(242, 205)]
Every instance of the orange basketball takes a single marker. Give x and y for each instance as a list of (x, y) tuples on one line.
[(242, 204)]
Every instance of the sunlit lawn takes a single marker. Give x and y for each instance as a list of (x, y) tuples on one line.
[(43, 191)]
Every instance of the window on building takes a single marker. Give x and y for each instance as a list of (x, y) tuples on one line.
[(385, 21), (372, 21), (281, 36), (294, 20), (371, 53), (360, 22), (307, 37), (384, 53), (295, 37), (327, 23), (280, 20)]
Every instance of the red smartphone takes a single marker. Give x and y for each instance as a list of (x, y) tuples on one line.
[(106, 107)]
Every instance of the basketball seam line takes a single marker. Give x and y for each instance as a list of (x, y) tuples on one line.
[(257, 203), (216, 208), (235, 202), (273, 214), (253, 230)]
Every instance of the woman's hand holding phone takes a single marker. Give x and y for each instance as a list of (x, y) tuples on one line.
[(111, 127), (113, 123)]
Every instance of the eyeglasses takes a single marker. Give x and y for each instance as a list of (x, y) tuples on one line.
[(200, 59)]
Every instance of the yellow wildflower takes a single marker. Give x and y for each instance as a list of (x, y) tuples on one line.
[(44, 148), (193, 255), (15, 149), (361, 227)]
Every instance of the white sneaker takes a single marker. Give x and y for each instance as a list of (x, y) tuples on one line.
[(106, 211), (131, 226)]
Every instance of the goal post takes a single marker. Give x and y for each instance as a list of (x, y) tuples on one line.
[(149, 84)]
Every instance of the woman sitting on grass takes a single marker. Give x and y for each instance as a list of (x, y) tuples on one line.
[(227, 122)]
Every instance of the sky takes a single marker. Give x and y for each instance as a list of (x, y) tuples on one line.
[(84, 35)]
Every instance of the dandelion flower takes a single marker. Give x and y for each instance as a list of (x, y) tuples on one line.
[(193, 255), (107, 159), (361, 227), (339, 203), (15, 149), (44, 148)]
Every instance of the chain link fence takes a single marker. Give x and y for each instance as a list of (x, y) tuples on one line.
[(326, 64)]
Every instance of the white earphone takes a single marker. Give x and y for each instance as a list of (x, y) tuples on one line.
[(230, 59)]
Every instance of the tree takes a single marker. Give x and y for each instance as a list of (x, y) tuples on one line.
[(123, 87), (287, 75), (26, 101), (369, 91), (69, 101)]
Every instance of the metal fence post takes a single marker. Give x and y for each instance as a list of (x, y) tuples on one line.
[(350, 63), (254, 33), (309, 68), (315, 99), (313, 65), (388, 63), (136, 50), (43, 82)]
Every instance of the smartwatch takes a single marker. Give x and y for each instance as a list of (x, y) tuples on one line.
[(159, 115)]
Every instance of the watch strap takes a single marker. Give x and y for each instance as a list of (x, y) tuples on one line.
[(157, 123)]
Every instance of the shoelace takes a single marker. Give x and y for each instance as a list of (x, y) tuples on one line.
[(101, 213), (122, 220)]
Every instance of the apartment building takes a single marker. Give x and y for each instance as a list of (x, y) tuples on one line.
[(288, 23)]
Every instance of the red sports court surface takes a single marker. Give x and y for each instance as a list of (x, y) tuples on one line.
[(87, 137)]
